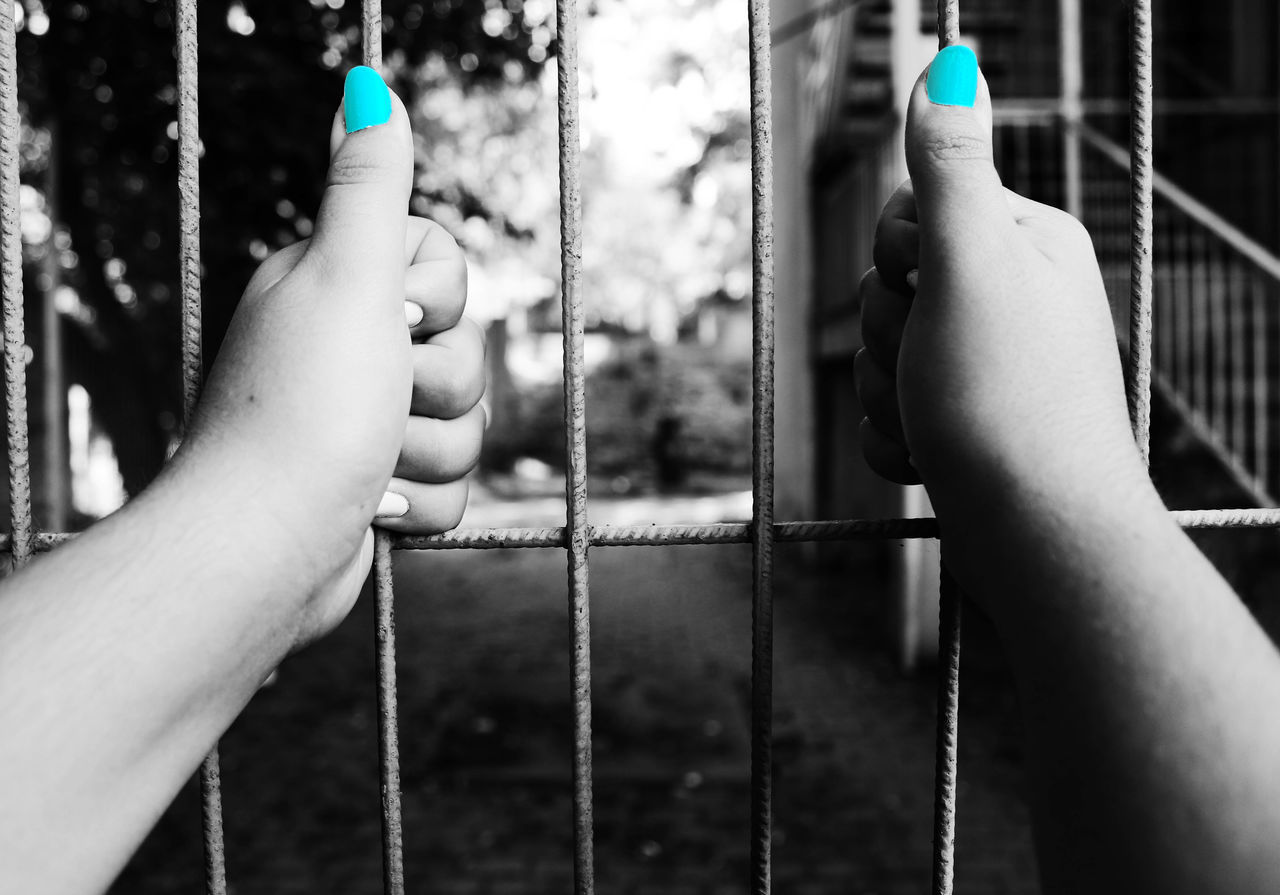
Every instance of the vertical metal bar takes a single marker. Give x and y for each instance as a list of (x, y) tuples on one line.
[(15, 348), (949, 610), (1200, 329), (944, 796), (948, 23), (1185, 297), (762, 464), (1140, 165), (578, 534), (384, 605), (192, 369), (388, 717), (1071, 72), (1239, 387), (1218, 329), (1260, 299)]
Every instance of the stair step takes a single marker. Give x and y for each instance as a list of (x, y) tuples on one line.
[(875, 24), (874, 51), (863, 92)]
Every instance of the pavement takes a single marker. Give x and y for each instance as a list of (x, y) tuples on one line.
[(483, 646)]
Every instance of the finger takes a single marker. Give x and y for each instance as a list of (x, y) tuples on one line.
[(361, 227), (884, 315), (966, 225), (435, 284), (420, 508), (886, 457), (896, 247), (878, 393), (448, 372), (439, 451)]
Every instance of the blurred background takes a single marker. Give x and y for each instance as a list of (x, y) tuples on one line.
[(483, 637)]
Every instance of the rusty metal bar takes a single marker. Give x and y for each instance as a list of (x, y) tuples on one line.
[(944, 794), (948, 22), (725, 532), (388, 717), (15, 347), (762, 461), (384, 603), (1138, 381), (215, 865), (577, 532), (949, 610)]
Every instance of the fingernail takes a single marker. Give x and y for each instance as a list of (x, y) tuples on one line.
[(913, 279), (392, 506), (412, 313), (366, 99), (953, 77)]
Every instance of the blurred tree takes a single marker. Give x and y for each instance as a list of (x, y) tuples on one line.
[(101, 77)]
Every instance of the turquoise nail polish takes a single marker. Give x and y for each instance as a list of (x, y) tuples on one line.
[(953, 77), (366, 99)]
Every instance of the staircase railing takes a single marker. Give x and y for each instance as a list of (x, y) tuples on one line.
[(1216, 335), (1216, 313)]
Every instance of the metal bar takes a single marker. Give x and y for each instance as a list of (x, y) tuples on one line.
[(1200, 374), (944, 793), (762, 454), (1237, 306), (1071, 72), (388, 717), (1218, 297), (215, 866), (15, 348), (948, 23), (949, 612), (1185, 297), (725, 532), (1260, 336), (1138, 382), (384, 604), (577, 532)]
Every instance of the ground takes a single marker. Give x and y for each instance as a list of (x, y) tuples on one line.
[(483, 643)]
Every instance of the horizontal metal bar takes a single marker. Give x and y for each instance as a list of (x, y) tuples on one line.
[(1049, 109), (726, 532)]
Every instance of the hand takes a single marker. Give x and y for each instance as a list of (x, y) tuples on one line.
[(995, 378), (325, 403)]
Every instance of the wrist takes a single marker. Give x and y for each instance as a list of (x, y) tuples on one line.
[(291, 537), (1011, 541)]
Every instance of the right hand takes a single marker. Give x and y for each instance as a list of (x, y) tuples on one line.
[(996, 381)]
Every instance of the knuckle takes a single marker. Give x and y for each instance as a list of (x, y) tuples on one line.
[(355, 167), (955, 147)]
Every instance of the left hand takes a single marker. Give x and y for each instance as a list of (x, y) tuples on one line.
[(325, 403)]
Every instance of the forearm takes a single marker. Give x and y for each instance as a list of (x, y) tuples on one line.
[(123, 655), (1148, 693)]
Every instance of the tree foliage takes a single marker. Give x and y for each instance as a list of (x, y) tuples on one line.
[(101, 78)]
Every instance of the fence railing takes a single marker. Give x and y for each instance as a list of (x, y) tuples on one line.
[(1216, 291), (762, 532), (1217, 294)]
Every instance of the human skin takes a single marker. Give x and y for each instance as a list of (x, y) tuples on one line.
[(992, 374), (127, 652)]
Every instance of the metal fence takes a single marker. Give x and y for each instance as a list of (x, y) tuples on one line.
[(578, 535)]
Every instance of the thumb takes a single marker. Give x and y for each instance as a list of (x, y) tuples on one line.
[(359, 238), (959, 198)]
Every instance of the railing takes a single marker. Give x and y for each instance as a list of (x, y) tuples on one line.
[(579, 535), (1216, 292), (1217, 303)]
